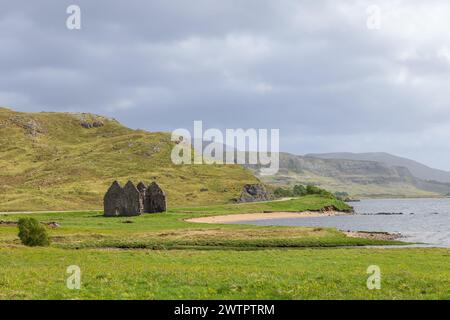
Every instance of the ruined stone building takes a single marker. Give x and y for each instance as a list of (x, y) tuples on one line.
[(153, 198), (134, 200)]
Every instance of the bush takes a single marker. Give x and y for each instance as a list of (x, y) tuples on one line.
[(299, 190), (316, 190), (32, 233), (282, 193)]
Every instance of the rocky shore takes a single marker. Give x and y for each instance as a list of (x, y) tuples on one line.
[(372, 235)]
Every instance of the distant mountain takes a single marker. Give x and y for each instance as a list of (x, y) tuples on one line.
[(360, 175), (417, 169), (360, 178)]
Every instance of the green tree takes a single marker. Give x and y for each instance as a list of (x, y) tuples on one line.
[(32, 233), (299, 190), (310, 189), (282, 193)]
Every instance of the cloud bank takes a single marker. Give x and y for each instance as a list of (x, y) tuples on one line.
[(313, 69)]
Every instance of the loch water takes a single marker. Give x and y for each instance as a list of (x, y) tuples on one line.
[(418, 220)]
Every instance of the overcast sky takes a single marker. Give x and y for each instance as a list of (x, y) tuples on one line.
[(313, 69)]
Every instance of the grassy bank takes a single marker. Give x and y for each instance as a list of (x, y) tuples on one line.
[(171, 231), (311, 202)]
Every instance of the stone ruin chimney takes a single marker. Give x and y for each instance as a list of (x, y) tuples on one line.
[(133, 200)]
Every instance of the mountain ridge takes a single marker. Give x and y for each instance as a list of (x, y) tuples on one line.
[(360, 178), (418, 169)]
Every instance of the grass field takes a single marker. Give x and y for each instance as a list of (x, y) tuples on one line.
[(161, 256), (39, 273)]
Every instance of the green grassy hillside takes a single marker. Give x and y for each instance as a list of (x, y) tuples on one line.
[(66, 161)]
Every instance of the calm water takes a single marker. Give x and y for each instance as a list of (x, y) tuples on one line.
[(423, 220)]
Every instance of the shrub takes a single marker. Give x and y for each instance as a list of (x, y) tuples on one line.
[(299, 190), (281, 193), (310, 189), (32, 233)]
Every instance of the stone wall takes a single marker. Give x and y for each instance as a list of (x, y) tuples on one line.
[(114, 201), (155, 199), (132, 195)]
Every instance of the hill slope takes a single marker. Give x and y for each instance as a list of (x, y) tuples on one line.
[(66, 161), (417, 169)]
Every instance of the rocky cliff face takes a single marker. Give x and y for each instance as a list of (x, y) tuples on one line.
[(417, 169), (365, 172)]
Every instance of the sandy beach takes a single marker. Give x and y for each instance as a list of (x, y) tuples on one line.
[(232, 218), (236, 218)]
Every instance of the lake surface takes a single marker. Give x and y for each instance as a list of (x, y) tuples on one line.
[(422, 220)]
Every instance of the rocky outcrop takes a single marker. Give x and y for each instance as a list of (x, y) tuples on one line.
[(254, 192), (89, 121), (32, 127), (373, 235), (333, 208), (94, 124)]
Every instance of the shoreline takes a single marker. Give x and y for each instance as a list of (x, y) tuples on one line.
[(374, 235), (248, 217)]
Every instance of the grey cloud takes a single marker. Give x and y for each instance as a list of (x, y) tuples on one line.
[(310, 68)]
